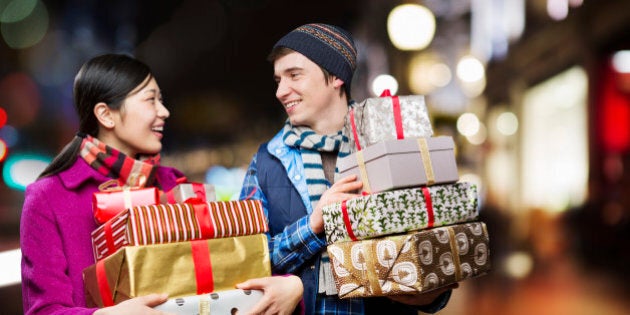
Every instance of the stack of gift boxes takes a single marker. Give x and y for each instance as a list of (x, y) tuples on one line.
[(415, 228), (181, 242)]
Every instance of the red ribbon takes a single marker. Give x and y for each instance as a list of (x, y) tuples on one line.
[(429, 202), (170, 196), (103, 285), (203, 217), (109, 237), (354, 129), (203, 266), (346, 221), (200, 190), (397, 114)]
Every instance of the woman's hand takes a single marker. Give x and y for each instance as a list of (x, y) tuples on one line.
[(142, 305), (281, 294)]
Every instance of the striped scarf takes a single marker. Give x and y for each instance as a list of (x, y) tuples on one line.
[(310, 144), (114, 164)]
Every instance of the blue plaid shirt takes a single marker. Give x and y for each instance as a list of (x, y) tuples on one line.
[(297, 243)]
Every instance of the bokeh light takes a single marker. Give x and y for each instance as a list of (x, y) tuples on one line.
[(411, 27), (20, 170), (468, 124), (470, 69), (384, 82), (21, 98), (621, 61), (428, 72), (507, 123), (3, 117), (227, 181), (3, 150), (26, 31), (17, 10), (10, 135)]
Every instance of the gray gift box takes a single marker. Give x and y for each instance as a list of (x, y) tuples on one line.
[(375, 120), (404, 163)]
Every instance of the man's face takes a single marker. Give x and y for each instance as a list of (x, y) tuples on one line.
[(303, 90)]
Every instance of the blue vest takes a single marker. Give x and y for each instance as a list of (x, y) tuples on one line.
[(285, 207)]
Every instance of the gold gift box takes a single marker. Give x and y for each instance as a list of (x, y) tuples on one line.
[(170, 268), (411, 263)]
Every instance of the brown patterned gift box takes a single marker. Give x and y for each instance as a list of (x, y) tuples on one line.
[(167, 223), (400, 211), (395, 164), (387, 118), (410, 263), (179, 269)]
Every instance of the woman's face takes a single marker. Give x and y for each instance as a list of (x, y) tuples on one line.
[(139, 122)]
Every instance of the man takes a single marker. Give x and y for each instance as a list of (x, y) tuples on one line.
[(291, 174)]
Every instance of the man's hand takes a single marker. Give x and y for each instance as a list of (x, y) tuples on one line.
[(423, 298), (339, 191)]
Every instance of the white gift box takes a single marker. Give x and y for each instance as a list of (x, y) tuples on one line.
[(215, 303)]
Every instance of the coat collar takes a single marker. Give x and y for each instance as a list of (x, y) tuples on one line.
[(79, 173)]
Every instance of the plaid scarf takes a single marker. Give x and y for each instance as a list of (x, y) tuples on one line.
[(310, 144), (114, 164)]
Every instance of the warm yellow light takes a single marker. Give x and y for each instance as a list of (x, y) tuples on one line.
[(470, 69), (468, 124), (411, 27), (507, 123), (383, 82)]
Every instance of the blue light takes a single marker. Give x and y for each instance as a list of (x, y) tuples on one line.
[(20, 170)]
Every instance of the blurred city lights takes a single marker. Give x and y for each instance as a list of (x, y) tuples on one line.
[(507, 123), (428, 72), (621, 61), (519, 264), (558, 9), (9, 134), (3, 150), (411, 27), (470, 69), (20, 170), (27, 27), (383, 82), (480, 136), (10, 265), (468, 124), (20, 97), (227, 182), (17, 10), (3, 117)]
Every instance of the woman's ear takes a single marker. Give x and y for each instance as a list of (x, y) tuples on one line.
[(104, 115)]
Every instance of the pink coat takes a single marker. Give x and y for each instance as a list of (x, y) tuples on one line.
[(55, 238)]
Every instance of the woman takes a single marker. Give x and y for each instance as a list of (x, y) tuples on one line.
[(120, 131)]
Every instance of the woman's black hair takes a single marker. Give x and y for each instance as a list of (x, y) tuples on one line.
[(108, 79)]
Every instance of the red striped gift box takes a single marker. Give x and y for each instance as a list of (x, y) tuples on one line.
[(171, 223)]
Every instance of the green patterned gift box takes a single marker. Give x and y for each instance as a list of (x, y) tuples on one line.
[(399, 211), (410, 263)]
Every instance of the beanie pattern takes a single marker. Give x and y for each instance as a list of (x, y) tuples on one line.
[(328, 46), (333, 38)]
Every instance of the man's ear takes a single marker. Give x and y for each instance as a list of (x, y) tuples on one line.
[(337, 83), (104, 115)]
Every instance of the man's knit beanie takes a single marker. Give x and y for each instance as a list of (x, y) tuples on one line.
[(330, 47)]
